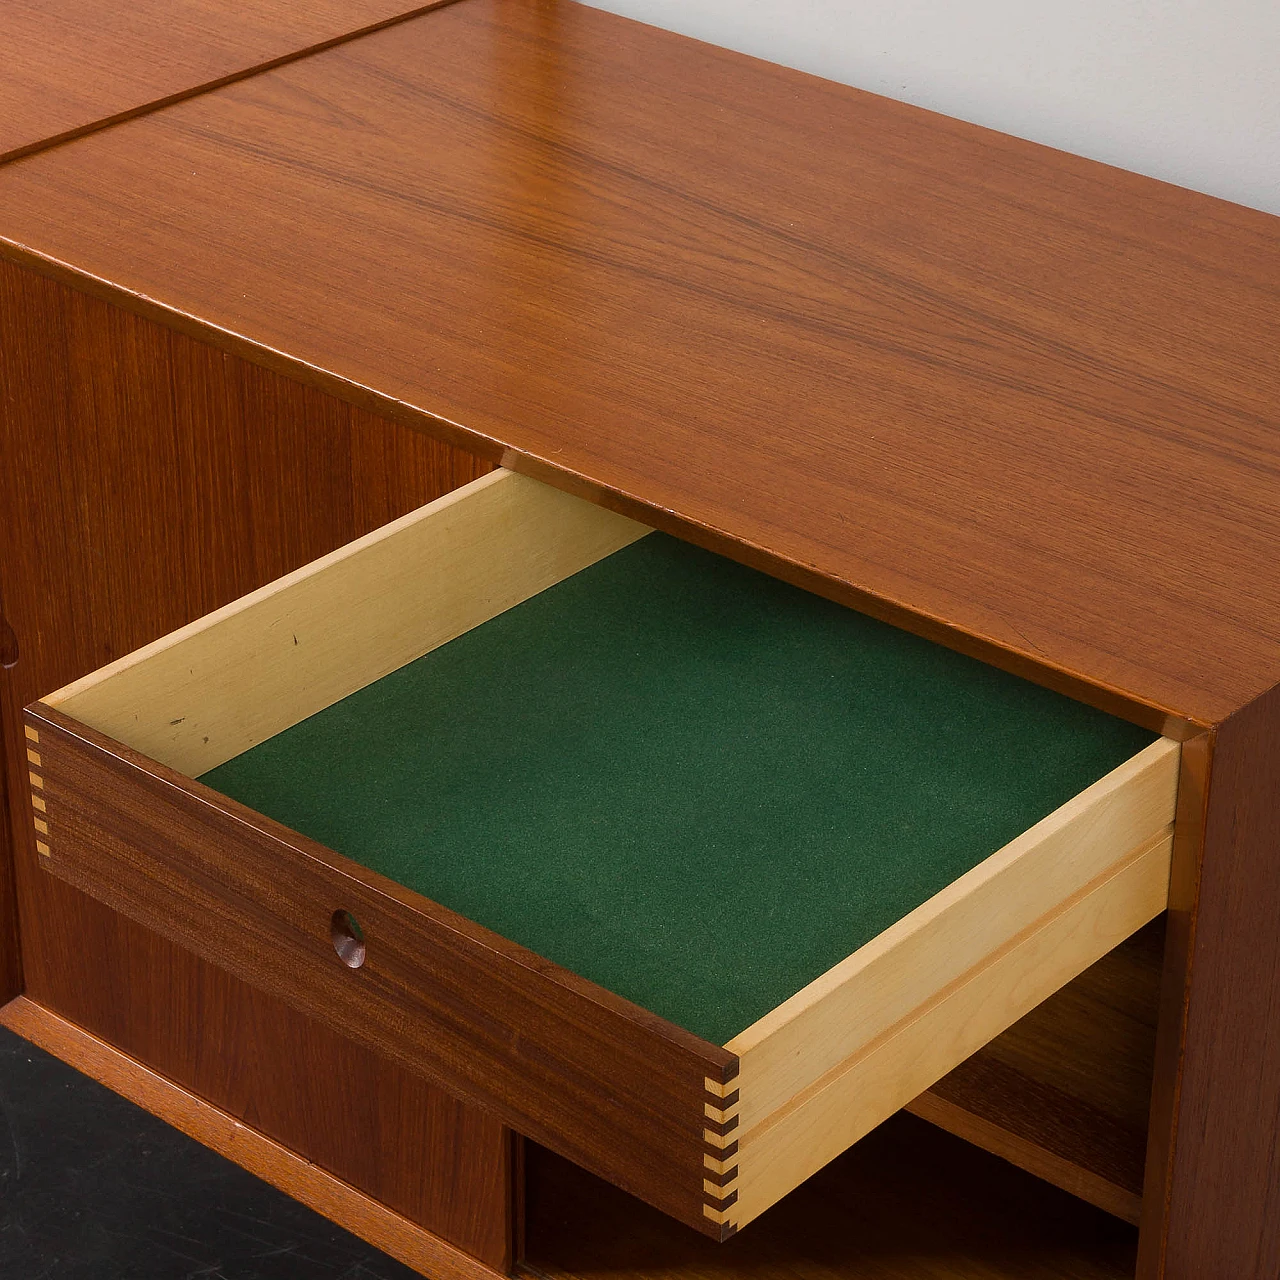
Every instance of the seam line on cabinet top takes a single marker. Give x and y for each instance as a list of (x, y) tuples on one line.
[(208, 86)]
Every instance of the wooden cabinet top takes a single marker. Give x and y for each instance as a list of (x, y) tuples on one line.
[(1022, 402), (71, 65)]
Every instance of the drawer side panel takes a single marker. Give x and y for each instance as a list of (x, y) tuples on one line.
[(890, 977), (821, 1122)]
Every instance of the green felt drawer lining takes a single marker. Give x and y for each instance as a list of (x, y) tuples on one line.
[(684, 780)]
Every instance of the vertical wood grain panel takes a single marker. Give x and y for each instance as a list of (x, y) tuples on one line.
[(146, 479), (10, 954), (1213, 1173)]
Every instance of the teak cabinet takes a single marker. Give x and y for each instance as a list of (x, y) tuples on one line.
[(714, 1135), (333, 339)]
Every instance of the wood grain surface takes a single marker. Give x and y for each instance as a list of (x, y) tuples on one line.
[(74, 65), (615, 1088), (1175, 982), (1214, 1179), (907, 1203), (144, 480), (10, 950), (358, 1213), (1017, 400), (1065, 1092)]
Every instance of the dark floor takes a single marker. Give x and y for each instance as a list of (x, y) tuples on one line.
[(92, 1188)]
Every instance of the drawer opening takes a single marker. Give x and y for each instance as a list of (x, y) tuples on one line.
[(843, 855), (1065, 1092), (908, 1201)]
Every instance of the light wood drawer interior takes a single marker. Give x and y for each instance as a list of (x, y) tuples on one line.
[(841, 919)]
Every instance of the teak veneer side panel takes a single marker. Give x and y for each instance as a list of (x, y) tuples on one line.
[(567, 1063), (145, 480), (1214, 1177), (10, 951), (799, 323), (229, 1137), (71, 66)]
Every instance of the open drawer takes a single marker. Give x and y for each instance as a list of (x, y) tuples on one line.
[(681, 871)]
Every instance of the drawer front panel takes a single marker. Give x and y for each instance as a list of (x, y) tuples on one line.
[(613, 1088)]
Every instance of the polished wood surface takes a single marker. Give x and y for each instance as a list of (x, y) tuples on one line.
[(1012, 399), (1065, 1093), (358, 1213), (793, 321), (1171, 1025), (73, 65), (144, 480), (907, 1203), (1214, 1190), (561, 1060), (10, 950)]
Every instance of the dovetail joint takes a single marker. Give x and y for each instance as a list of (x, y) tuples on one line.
[(720, 1156), (714, 1181), (38, 804)]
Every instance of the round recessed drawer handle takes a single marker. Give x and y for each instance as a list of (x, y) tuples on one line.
[(348, 938)]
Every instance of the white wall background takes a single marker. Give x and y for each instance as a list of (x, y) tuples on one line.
[(1184, 90)]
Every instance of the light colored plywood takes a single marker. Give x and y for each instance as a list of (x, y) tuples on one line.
[(240, 675), (957, 1019), (851, 1004)]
